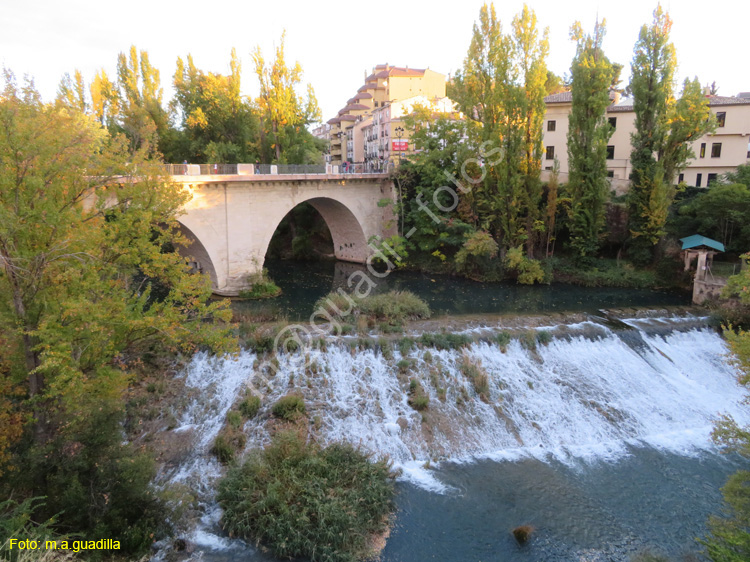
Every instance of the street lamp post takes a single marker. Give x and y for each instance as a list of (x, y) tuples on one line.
[(399, 134)]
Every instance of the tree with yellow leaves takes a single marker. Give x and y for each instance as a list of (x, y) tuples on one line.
[(285, 113)]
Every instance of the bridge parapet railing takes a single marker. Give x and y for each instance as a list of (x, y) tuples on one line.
[(271, 169)]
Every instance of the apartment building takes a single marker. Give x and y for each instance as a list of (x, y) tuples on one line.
[(715, 154), (386, 139), (384, 86)]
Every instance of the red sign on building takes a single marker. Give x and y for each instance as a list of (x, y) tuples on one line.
[(400, 145)]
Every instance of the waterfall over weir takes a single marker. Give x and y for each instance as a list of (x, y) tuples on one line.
[(594, 393)]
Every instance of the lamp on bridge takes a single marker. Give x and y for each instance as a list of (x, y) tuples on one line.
[(399, 133)]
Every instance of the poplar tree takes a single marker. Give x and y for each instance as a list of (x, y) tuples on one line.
[(501, 88), (71, 92), (284, 113), (588, 135), (219, 124), (142, 116), (475, 87), (664, 126), (531, 49)]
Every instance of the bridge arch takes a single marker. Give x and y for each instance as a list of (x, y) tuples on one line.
[(199, 257), (233, 219), (347, 232)]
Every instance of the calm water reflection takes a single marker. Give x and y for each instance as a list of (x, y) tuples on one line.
[(304, 283)]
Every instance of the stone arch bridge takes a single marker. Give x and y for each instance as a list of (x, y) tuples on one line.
[(232, 218)]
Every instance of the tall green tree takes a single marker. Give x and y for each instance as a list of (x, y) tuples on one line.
[(72, 92), (501, 88), (142, 115), (531, 48), (588, 135), (663, 129), (77, 287), (220, 125), (475, 87), (285, 114)]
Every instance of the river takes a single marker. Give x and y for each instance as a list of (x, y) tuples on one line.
[(599, 439)]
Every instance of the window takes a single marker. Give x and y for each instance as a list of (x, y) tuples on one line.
[(681, 178), (549, 168), (703, 150), (698, 180), (551, 125), (711, 178), (610, 173), (611, 152), (550, 153), (716, 150), (613, 122), (721, 117)]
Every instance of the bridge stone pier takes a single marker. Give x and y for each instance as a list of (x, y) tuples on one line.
[(231, 219)]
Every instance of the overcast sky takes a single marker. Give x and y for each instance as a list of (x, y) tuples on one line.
[(337, 42)]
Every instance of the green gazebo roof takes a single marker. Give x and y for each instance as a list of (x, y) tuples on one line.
[(697, 240)]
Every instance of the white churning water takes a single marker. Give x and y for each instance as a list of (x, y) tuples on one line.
[(576, 398)]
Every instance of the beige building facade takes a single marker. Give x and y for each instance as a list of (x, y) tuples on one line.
[(354, 125), (715, 154)]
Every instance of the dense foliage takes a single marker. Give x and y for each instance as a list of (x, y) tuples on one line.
[(90, 284), (304, 500), (664, 128), (729, 540), (588, 134), (208, 120)]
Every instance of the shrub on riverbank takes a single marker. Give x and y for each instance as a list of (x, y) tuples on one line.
[(261, 287), (303, 500), (289, 408), (389, 309), (607, 273)]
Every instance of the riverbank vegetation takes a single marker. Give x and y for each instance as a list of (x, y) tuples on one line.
[(94, 296), (729, 538), (301, 499), (387, 311)]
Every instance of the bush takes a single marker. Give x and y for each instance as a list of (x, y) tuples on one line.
[(404, 365), (418, 399), (543, 337), (301, 500), (528, 339), (389, 310), (475, 373), (250, 406), (261, 287), (445, 341), (234, 418), (226, 445), (503, 339), (289, 408), (729, 538), (78, 470)]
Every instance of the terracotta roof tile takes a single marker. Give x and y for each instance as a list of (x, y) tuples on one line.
[(726, 100)]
